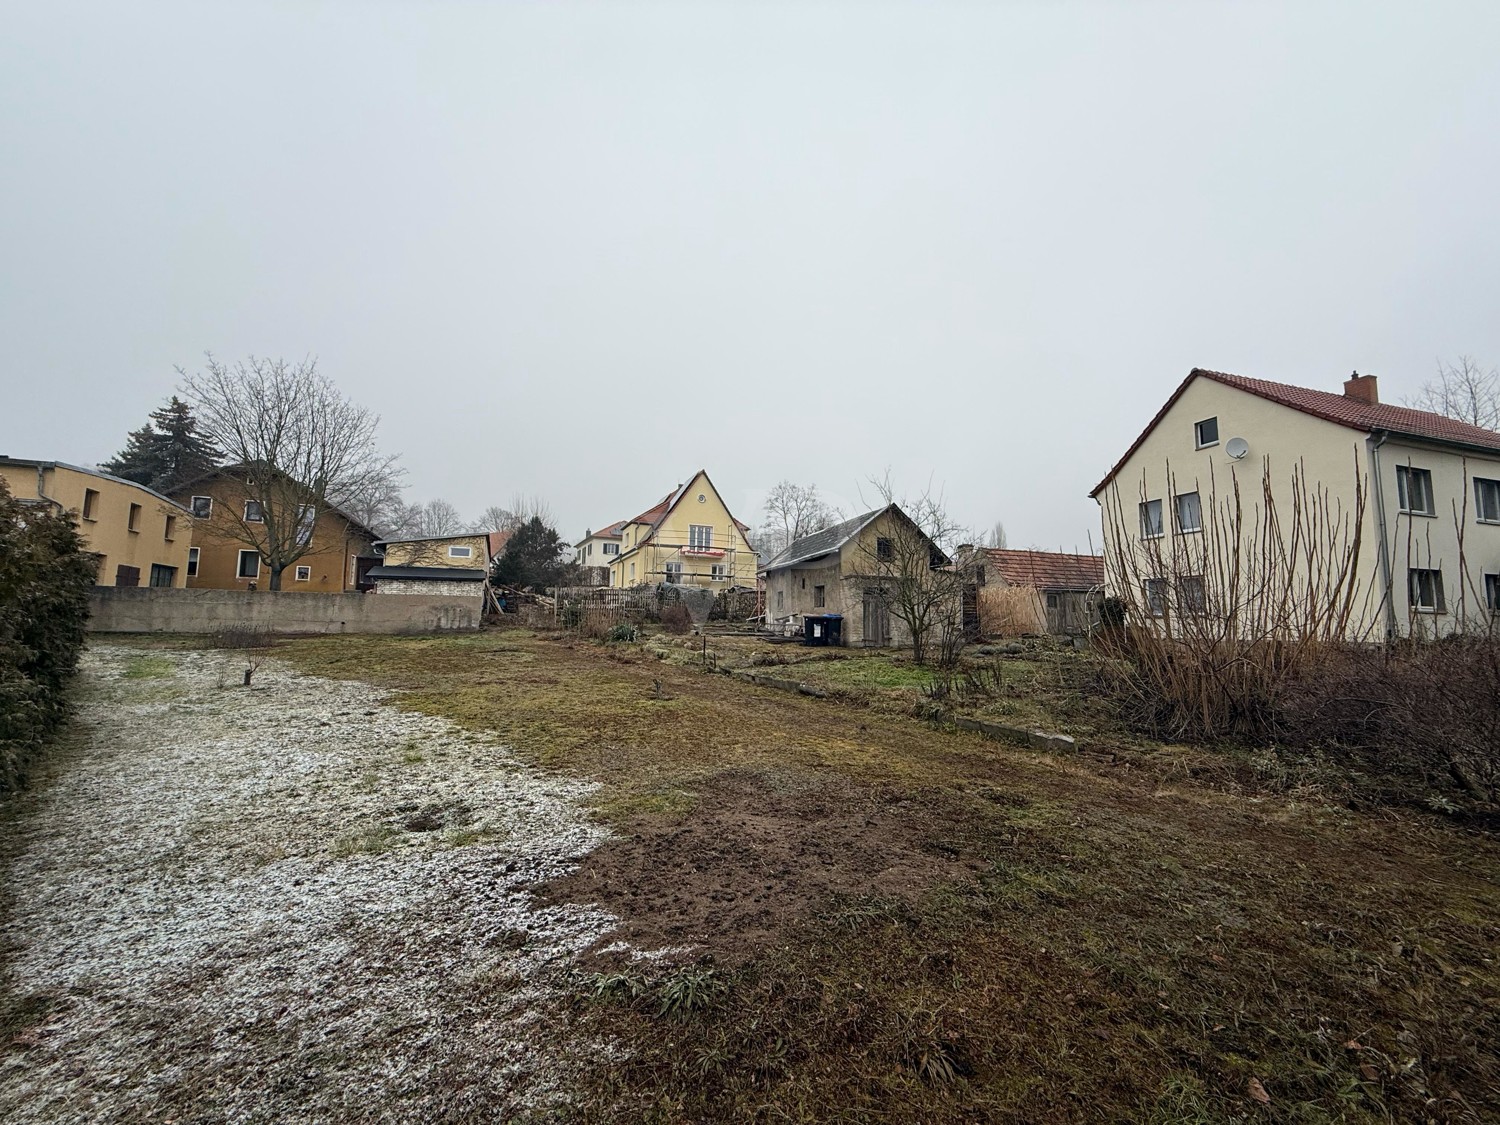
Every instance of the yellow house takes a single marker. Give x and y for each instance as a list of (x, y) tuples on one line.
[(140, 537), (1274, 508), (228, 519), (689, 537)]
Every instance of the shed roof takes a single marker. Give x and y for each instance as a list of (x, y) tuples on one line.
[(1047, 570), (1340, 409), (823, 542)]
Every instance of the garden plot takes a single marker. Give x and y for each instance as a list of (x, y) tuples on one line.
[(289, 902)]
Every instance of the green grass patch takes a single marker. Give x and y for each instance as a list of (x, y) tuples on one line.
[(148, 667), (372, 840)]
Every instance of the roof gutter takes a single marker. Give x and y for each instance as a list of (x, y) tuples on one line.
[(1374, 441)]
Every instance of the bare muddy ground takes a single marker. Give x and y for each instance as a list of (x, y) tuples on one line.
[(286, 903)]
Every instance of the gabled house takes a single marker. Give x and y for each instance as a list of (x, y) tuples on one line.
[(856, 570), (1385, 516), (442, 564), (598, 549), (689, 537), (141, 538), (230, 518)]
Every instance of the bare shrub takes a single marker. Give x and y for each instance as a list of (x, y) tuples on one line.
[(1010, 611), (254, 644), (1423, 713), (1216, 622), (675, 618)]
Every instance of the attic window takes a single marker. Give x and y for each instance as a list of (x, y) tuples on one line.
[(702, 498), (462, 552), (1206, 433), (883, 549), (203, 507)]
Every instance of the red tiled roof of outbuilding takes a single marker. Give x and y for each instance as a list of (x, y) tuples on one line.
[(1047, 570)]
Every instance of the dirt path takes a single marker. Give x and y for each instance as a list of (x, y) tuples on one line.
[(292, 903)]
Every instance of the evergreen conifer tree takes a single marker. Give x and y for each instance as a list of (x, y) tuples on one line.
[(166, 452)]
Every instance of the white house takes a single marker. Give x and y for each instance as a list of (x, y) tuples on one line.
[(1262, 501)]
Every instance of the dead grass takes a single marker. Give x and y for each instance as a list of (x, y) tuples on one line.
[(892, 923)]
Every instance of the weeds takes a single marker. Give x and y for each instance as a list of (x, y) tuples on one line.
[(145, 667), (373, 840)]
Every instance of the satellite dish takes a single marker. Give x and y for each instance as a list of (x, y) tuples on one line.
[(1237, 448)]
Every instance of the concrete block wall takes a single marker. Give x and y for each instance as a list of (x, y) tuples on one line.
[(160, 610)]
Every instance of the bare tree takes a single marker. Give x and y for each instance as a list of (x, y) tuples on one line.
[(521, 510), (997, 537), (382, 507), (1463, 390), (438, 517), (909, 558), (792, 511), (295, 447)]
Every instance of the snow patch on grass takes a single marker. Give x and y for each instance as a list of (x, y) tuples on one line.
[(258, 905)]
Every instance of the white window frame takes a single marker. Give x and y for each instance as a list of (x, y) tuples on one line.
[(1148, 509), (1198, 442), (260, 509), (302, 574), (457, 552), (1418, 597), (674, 573), (307, 525), (1406, 475), (700, 535), (1197, 506), (719, 572), (208, 507), (1155, 591), (1486, 500), (239, 566), (611, 548), (1492, 593), (192, 568)]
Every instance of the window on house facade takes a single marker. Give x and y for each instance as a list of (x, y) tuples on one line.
[(1487, 500), (632, 572), (254, 513), (1192, 597), (90, 503), (884, 551), (1189, 512), (302, 574), (1206, 433), (133, 523), (249, 565), (780, 599), (700, 535), (1151, 526), (818, 592), (1426, 590), (203, 507), (1052, 601), (611, 548), (307, 519), (719, 572), (162, 575), (674, 572), (460, 552), (192, 562), (171, 531), (1492, 593), (1155, 590), (1414, 489)]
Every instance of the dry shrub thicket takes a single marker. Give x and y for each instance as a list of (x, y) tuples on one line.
[(1011, 611), (1262, 625)]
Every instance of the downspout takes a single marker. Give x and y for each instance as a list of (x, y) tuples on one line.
[(1374, 445)]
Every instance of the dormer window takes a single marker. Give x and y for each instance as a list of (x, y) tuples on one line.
[(1206, 433)]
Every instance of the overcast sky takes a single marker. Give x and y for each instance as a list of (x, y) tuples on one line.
[(582, 250)]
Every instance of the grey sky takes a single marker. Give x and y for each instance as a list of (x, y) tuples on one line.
[(582, 250)]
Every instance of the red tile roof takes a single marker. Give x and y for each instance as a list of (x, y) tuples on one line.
[(653, 514), (1047, 570), (1336, 408)]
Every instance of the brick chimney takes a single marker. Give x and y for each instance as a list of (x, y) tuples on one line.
[(1362, 387)]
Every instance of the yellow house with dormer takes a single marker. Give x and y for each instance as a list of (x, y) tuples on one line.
[(690, 538)]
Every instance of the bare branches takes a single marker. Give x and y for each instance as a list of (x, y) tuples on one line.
[(521, 510), (296, 449), (793, 511), (1463, 390)]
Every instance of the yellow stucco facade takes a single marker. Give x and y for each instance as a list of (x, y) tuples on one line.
[(141, 538), (690, 538)]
